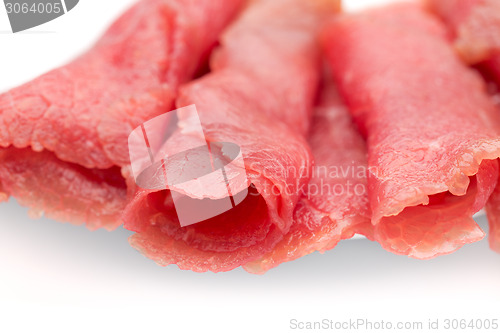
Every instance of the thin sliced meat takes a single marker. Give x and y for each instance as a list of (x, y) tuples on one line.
[(260, 95), (79, 116), (334, 205), (493, 212), (493, 204), (475, 26), (95, 195), (432, 133)]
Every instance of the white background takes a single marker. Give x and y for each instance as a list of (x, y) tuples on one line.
[(61, 278)]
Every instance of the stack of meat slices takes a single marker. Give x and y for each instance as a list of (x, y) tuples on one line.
[(396, 137)]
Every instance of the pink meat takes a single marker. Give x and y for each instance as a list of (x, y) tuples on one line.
[(260, 96), (492, 67), (432, 133), (79, 116), (80, 195), (493, 211), (334, 205), (475, 26)]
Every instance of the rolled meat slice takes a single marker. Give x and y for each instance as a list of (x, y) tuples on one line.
[(64, 134), (334, 204), (259, 96), (432, 130), (475, 27)]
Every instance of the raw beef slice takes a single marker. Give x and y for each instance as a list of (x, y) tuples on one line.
[(432, 130), (260, 96), (64, 135), (334, 204), (475, 26)]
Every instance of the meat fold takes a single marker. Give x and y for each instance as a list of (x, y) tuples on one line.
[(259, 95), (334, 204), (430, 125), (475, 29), (64, 135)]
